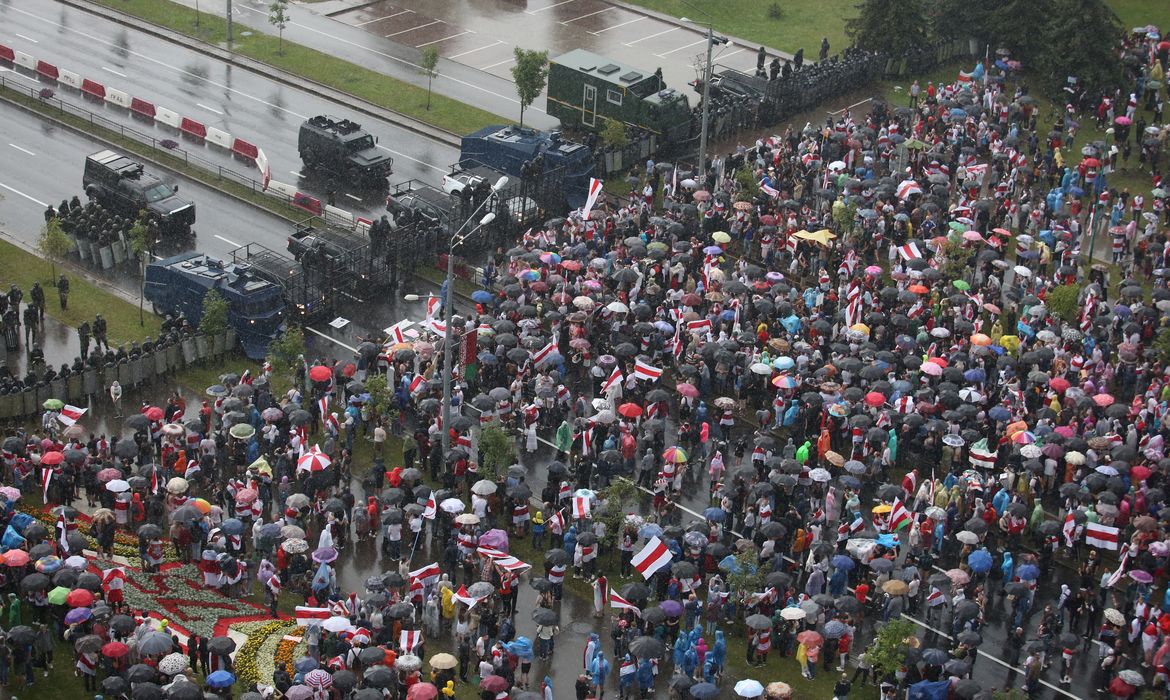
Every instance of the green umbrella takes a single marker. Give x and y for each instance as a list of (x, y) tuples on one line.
[(53, 404), (243, 431), (915, 144), (57, 595), (961, 284), (956, 226)]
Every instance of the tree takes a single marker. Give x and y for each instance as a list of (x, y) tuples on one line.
[(1162, 344), (614, 134), (429, 61), (499, 452), (746, 575), (140, 249), (53, 244), (888, 651), (892, 26), (214, 319), (617, 497), (956, 255), (1019, 26), (278, 17), (285, 352), (1064, 302), (1080, 39), (529, 74)]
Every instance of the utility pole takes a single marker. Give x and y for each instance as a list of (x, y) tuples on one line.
[(229, 21), (706, 106)]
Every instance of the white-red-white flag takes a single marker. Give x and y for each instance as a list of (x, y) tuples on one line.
[(1102, 536), (594, 192), (71, 414), (464, 597), (615, 377), (305, 616), (429, 511), (580, 507), (616, 601), (1069, 529), (644, 370), (703, 325), (653, 557), (543, 354), (910, 251), (427, 575), (409, 640)]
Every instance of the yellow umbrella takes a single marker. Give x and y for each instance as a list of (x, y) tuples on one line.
[(261, 465), (860, 328), (721, 237), (822, 237), (883, 508)]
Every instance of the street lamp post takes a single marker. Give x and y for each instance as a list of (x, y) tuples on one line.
[(449, 308), (708, 71)]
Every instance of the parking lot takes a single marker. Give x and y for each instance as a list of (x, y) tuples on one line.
[(483, 33)]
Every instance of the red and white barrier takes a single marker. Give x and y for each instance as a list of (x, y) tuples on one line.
[(47, 70), (310, 204), (7, 54), (337, 213), (70, 79), (93, 88), (142, 108), (167, 116), (219, 138), (192, 128), (282, 189), (245, 150), (117, 98)]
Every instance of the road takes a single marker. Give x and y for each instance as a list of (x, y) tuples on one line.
[(244, 104)]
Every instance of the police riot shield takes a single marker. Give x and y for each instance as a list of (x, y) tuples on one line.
[(174, 357), (160, 361), (29, 404), (189, 355), (75, 388), (90, 381)]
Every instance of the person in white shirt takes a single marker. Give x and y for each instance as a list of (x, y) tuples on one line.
[(116, 398)]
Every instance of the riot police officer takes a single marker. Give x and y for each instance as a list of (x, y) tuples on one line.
[(83, 339), (38, 299), (30, 324), (99, 332), (63, 291)]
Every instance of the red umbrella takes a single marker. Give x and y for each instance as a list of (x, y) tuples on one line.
[(425, 691), (1103, 400), (115, 650), (1117, 686), (349, 370), (153, 413), (809, 638), (493, 684), (630, 410), (52, 458), (1139, 473), (320, 373), (875, 399), (15, 557), (571, 265), (1059, 384), (79, 598)]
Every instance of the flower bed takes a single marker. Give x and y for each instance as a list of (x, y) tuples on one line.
[(125, 543), (285, 652), (255, 660)]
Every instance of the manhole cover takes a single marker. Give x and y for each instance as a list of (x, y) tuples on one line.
[(581, 627)]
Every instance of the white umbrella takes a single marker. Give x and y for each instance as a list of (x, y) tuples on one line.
[(452, 505), (117, 486), (313, 461), (617, 307), (761, 369), (1022, 271), (820, 474), (583, 303), (178, 484), (483, 487), (606, 417), (336, 624), (467, 519), (1030, 451), (967, 537), (793, 614), (749, 688)]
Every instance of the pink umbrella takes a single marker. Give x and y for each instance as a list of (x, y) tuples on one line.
[(873, 270), (245, 496), (931, 369), (496, 539), (688, 390), (1103, 400), (1123, 121)]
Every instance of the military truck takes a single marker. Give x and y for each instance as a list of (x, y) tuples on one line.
[(255, 305), (584, 90), (123, 185), (532, 156), (340, 148)]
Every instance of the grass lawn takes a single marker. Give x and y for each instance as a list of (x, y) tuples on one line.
[(356, 80), (1139, 13), (86, 299)]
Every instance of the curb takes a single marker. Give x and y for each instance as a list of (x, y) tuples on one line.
[(674, 21), (272, 73)]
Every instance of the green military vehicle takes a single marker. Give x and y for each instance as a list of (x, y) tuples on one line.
[(585, 89)]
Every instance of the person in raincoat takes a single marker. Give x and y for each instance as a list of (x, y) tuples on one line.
[(802, 452), (564, 439), (598, 672), (13, 610), (645, 677), (627, 674)]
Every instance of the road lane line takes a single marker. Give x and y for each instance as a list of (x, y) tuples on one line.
[(22, 150), (379, 19), (428, 43), (209, 109), (724, 57), (510, 60), (636, 19), (111, 70), (605, 9), (496, 43), (354, 198), (428, 24), (667, 53), (22, 194), (548, 7), (296, 173), (416, 160), (227, 241), (28, 38), (635, 41)]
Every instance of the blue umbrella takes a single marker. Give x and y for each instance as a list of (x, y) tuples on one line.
[(650, 530), (730, 564), (835, 629), (305, 664), (715, 515), (486, 358), (979, 561), (975, 375), (850, 481), (1028, 572), (221, 679), (481, 296), (727, 314), (999, 413), (521, 647), (232, 526), (843, 562), (886, 540)]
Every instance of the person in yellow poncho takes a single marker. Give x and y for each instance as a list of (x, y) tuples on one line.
[(448, 604)]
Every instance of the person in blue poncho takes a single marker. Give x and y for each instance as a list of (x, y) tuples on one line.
[(645, 676), (598, 672), (690, 661), (718, 653), (680, 649)]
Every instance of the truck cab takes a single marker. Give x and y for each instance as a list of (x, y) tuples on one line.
[(122, 184), (255, 305), (341, 148)]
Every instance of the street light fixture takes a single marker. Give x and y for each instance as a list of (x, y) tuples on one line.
[(457, 239)]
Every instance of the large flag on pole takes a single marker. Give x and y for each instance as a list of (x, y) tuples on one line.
[(1103, 536), (653, 557), (71, 414), (594, 193)]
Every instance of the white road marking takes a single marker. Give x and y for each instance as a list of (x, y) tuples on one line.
[(227, 241), (333, 340), (354, 198), (28, 38), (510, 60), (428, 24), (296, 173), (209, 109), (636, 19), (16, 72), (496, 43), (22, 194), (548, 7), (667, 53), (379, 19), (111, 70), (651, 36), (428, 43), (416, 160), (726, 56), (22, 150), (605, 9)]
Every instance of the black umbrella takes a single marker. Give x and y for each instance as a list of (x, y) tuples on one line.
[(647, 648), (544, 616), (141, 673)]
